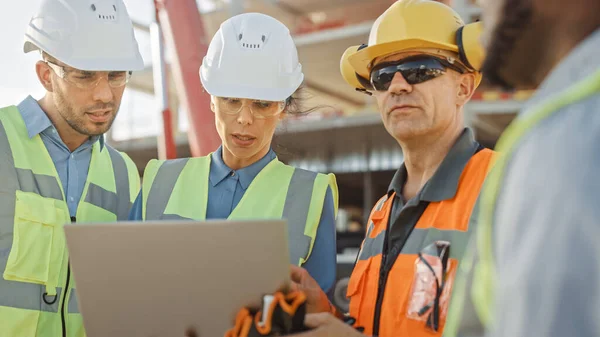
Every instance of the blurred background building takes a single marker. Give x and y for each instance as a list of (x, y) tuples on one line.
[(345, 136)]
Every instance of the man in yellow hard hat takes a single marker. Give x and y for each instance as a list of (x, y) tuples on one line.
[(422, 66)]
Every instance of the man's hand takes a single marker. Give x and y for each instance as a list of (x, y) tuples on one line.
[(316, 299), (327, 325)]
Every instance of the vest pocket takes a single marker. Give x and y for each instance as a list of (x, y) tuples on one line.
[(356, 287), (38, 244)]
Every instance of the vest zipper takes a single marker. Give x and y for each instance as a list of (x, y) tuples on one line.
[(65, 295), (62, 309), (384, 272)]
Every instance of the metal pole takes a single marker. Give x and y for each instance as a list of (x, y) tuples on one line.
[(166, 141)]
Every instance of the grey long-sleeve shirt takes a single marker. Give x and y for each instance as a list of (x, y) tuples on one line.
[(547, 219)]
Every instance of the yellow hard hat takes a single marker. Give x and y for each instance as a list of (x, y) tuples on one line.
[(414, 25)]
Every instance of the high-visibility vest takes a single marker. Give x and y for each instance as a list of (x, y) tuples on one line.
[(483, 268), (178, 189), (33, 254), (446, 220)]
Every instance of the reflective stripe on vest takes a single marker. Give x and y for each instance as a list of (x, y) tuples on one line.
[(20, 297), (483, 284), (33, 256), (446, 220), (301, 205)]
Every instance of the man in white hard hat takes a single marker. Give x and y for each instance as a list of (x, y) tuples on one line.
[(55, 166)]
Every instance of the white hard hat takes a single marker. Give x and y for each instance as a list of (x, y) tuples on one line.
[(94, 35), (252, 56)]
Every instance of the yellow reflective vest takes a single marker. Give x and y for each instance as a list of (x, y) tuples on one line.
[(178, 189), (37, 297)]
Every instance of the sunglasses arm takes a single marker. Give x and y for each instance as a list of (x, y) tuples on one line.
[(364, 91)]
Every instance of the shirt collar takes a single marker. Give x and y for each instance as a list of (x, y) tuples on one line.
[(34, 117), (576, 66), (36, 120), (219, 170), (444, 183)]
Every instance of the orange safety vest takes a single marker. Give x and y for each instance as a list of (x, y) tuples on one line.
[(447, 220)]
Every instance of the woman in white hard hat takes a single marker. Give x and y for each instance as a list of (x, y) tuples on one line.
[(252, 73)]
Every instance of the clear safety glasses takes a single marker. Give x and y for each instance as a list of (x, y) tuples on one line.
[(89, 79), (259, 109), (429, 293)]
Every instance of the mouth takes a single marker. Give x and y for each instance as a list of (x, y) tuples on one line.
[(99, 116), (243, 139), (401, 109)]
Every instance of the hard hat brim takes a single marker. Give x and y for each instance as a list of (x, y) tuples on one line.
[(362, 59), (243, 91), (93, 64)]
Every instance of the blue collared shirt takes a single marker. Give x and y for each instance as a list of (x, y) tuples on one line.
[(225, 190), (72, 167)]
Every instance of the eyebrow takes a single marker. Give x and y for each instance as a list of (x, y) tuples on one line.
[(78, 71)]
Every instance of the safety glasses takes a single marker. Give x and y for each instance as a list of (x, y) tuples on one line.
[(435, 260), (415, 70), (259, 109), (89, 79)]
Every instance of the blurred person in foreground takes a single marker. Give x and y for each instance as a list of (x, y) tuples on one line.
[(535, 265)]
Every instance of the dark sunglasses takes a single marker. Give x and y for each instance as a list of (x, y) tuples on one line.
[(415, 70)]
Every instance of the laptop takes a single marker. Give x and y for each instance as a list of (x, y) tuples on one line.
[(162, 278)]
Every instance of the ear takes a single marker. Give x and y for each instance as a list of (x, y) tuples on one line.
[(212, 106), (466, 88), (44, 74)]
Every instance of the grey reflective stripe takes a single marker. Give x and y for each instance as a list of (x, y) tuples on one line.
[(295, 211), (28, 296), (162, 187), (121, 183), (173, 217), (46, 186), (418, 239), (373, 246), (102, 198), (117, 203), (73, 307), (9, 183)]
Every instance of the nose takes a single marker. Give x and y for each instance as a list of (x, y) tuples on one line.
[(245, 116), (103, 91), (398, 85)]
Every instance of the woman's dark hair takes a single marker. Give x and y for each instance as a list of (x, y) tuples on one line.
[(295, 104)]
